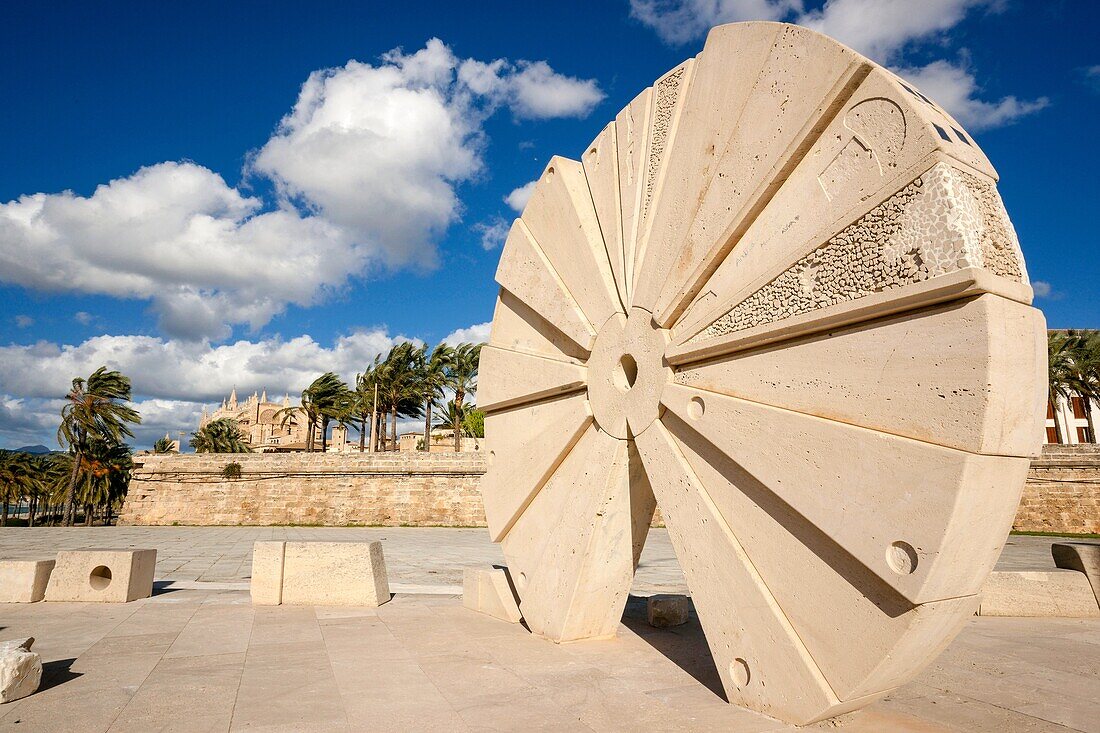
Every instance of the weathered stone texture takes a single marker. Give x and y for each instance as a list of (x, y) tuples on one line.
[(387, 489), (1062, 493)]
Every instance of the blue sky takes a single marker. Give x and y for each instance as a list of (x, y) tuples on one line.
[(242, 194)]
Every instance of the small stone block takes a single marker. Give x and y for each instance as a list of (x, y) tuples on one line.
[(319, 574), (663, 611), (489, 591), (103, 576), (24, 581), (1084, 557), (266, 584), (20, 669)]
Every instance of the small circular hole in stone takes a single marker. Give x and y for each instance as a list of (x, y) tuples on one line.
[(696, 408), (739, 672), (550, 172), (626, 372), (100, 577), (521, 581), (901, 557)]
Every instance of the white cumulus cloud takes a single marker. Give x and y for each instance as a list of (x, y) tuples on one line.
[(365, 168), (955, 89), (475, 334), (173, 379), (519, 197), (492, 232)]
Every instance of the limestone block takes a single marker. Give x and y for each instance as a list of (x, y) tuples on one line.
[(20, 669), (1061, 593), (663, 611), (489, 591), (105, 576), (24, 581), (266, 582), (813, 349), (1084, 557), (319, 574)]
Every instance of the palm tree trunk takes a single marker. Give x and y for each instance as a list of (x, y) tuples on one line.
[(1086, 401), (4, 514), (459, 396), (32, 505), (324, 434), (393, 423), (88, 515), (70, 491), (362, 433), (428, 426)]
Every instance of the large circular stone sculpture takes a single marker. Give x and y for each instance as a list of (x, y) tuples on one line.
[(779, 298)]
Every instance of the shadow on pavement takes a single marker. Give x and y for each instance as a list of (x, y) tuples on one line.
[(57, 673), (685, 646)]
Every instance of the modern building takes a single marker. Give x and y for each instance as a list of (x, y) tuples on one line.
[(1072, 420)]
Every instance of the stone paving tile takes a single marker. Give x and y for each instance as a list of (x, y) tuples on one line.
[(185, 694), (288, 687), (214, 629)]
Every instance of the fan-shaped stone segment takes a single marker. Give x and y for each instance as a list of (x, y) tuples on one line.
[(780, 298)]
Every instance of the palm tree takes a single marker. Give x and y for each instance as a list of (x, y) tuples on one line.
[(1084, 371), (164, 445), (399, 385), (49, 475), (452, 416), (1059, 372), (219, 436), (363, 404), (104, 479), (94, 410), (462, 377), (433, 379), (15, 480), (322, 401)]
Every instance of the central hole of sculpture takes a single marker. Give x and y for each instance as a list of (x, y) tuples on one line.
[(626, 373), (100, 577)]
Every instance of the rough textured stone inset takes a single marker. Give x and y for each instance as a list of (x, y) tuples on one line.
[(943, 221)]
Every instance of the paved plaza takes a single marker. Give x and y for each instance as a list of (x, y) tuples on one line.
[(197, 656)]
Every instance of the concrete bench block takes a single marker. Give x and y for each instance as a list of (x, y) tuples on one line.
[(1059, 593), (1084, 557), (103, 576), (24, 581), (319, 574), (20, 669), (489, 591), (663, 611)]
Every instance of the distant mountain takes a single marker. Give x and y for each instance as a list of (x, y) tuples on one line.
[(33, 449)]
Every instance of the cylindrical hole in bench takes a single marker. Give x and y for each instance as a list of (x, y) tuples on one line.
[(100, 577)]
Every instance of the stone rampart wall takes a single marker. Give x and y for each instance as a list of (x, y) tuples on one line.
[(388, 489), (1062, 493)]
